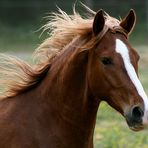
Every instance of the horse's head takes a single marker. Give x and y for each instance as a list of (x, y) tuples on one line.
[(113, 67)]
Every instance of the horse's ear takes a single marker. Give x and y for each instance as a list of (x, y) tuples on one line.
[(98, 23), (128, 22)]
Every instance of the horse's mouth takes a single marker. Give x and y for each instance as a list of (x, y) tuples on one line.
[(135, 123), (136, 128)]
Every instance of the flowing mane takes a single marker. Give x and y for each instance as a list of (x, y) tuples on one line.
[(63, 28), (17, 76)]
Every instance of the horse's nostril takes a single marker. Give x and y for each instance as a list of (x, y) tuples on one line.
[(137, 113)]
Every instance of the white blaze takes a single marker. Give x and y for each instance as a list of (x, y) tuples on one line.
[(122, 49)]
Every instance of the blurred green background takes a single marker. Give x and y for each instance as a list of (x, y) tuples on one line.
[(20, 21)]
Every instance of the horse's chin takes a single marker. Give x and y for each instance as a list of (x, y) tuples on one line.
[(136, 128)]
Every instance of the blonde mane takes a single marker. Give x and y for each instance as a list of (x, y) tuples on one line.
[(17, 76), (63, 28)]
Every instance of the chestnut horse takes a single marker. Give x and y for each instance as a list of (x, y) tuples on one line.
[(84, 61)]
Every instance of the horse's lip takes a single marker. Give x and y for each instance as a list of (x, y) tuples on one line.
[(137, 128), (134, 126)]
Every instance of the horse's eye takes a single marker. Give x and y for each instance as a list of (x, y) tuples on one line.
[(106, 61)]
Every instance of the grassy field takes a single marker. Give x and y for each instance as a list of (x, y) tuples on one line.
[(111, 129)]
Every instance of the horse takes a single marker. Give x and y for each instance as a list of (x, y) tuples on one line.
[(84, 61)]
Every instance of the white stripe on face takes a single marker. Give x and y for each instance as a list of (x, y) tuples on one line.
[(122, 49)]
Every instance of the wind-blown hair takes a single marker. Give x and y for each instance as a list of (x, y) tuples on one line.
[(63, 28), (17, 76)]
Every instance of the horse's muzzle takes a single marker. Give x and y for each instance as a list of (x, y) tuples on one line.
[(134, 118)]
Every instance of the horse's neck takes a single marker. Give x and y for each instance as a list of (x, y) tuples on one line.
[(67, 95)]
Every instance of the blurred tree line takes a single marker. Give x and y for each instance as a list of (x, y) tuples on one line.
[(16, 12)]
